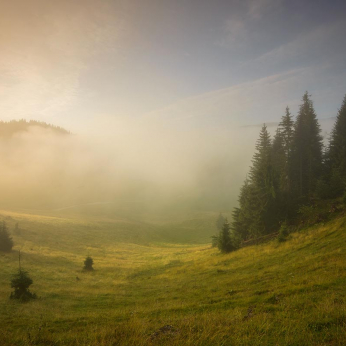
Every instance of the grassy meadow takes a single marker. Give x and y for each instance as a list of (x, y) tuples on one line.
[(150, 287)]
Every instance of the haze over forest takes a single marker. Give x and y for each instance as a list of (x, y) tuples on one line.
[(164, 101)]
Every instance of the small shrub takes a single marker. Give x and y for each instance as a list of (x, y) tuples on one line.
[(283, 232), (214, 240), (21, 283), (310, 215), (88, 264)]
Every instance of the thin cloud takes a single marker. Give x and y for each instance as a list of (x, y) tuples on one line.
[(301, 48), (230, 105)]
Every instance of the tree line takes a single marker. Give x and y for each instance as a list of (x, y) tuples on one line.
[(10, 128), (289, 171)]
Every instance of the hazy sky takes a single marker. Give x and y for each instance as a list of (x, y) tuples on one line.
[(185, 63)]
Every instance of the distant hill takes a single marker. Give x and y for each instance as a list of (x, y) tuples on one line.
[(8, 129)]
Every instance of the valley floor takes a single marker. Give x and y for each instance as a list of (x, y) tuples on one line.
[(154, 293)]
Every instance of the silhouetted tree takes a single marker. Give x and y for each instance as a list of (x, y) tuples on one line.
[(261, 187), (333, 183), (286, 130), (6, 242), (88, 264), (306, 162), (242, 217), (225, 242)]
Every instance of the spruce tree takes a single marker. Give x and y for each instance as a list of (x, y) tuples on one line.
[(88, 264), (6, 242), (286, 130), (21, 283), (261, 191), (280, 179), (279, 162), (306, 161), (336, 154), (260, 174), (242, 217), (255, 215), (225, 242)]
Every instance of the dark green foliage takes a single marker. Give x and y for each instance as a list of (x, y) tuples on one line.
[(214, 240), (286, 129), (260, 174), (256, 214), (306, 161), (225, 244), (335, 158), (289, 174), (283, 232), (331, 185), (279, 161), (6, 242), (310, 215), (21, 283), (337, 148), (88, 264), (242, 217), (281, 158)]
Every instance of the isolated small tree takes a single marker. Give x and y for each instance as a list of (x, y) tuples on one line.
[(6, 242), (283, 232), (21, 283), (225, 244), (88, 264)]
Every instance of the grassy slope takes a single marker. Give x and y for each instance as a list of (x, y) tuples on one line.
[(273, 294)]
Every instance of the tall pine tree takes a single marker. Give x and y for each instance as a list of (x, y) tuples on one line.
[(336, 154), (286, 129), (281, 158), (243, 217), (255, 216), (306, 160)]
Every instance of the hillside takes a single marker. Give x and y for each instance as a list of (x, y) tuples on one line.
[(10, 128), (151, 292)]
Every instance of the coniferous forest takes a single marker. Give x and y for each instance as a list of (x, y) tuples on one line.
[(290, 173)]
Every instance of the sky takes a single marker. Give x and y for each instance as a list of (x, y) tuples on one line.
[(183, 64), (165, 99)]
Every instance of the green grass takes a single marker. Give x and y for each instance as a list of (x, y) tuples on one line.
[(148, 291)]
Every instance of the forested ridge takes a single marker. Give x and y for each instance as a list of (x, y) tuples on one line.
[(290, 174), (10, 128)]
